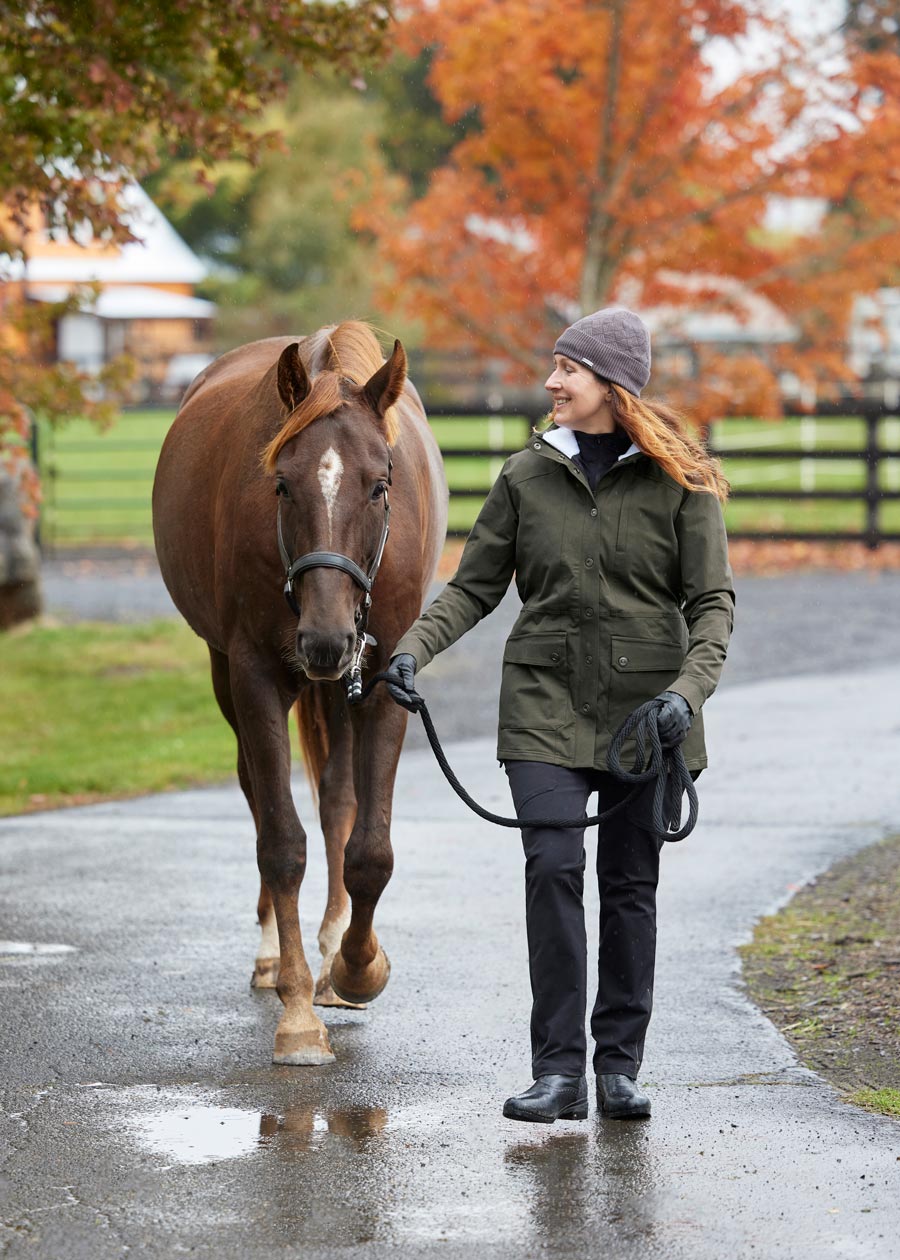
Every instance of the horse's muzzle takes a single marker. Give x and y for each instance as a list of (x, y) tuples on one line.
[(325, 657)]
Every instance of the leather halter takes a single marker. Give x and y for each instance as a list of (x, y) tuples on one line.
[(335, 560)]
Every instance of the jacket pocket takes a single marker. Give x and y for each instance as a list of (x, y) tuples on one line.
[(534, 690), (641, 669), (631, 656)]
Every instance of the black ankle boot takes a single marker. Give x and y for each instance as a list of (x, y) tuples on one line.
[(550, 1098), (619, 1097)]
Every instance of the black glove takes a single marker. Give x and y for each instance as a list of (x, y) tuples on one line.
[(401, 682), (673, 720)]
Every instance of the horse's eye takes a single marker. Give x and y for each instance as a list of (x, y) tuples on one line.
[(379, 490), (281, 489)]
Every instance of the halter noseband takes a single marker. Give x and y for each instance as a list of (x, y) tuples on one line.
[(335, 560)]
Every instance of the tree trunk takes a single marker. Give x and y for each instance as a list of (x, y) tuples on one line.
[(598, 269), (20, 566)]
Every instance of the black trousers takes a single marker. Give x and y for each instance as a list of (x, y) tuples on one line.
[(627, 874)]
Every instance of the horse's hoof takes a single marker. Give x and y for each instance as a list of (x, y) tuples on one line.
[(303, 1049), (358, 985), (326, 996), (265, 973)]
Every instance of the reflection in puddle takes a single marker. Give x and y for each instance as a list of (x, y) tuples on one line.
[(298, 1125), (192, 1133)]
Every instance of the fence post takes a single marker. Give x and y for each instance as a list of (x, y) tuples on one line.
[(873, 457), (36, 464)]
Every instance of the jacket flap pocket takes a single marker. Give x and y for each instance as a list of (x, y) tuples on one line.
[(630, 655), (536, 649)]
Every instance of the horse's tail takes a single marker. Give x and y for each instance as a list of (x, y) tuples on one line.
[(312, 725)]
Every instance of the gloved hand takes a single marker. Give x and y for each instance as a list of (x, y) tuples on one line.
[(401, 682), (674, 719)]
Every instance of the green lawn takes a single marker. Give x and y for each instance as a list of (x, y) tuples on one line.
[(97, 486), (95, 711)]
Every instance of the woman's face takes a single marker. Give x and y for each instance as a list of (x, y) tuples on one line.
[(580, 399)]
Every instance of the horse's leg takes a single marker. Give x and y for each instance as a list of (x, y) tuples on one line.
[(337, 811), (265, 973), (262, 714), (361, 969)]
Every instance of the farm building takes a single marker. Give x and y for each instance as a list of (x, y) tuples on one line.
[(146, 305)]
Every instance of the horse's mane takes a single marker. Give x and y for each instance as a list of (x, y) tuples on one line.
[(348, 351)]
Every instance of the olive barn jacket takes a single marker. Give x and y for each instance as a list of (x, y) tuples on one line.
[(626, 592)]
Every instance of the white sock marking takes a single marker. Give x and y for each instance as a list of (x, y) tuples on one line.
[(330, 471), (268, 945)]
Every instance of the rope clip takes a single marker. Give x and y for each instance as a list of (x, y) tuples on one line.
[(353, 677)]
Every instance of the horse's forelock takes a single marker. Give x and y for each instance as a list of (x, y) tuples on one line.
[(324, 396), (350, 351)]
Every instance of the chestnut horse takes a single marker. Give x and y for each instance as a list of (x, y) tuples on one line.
[(282, 456)]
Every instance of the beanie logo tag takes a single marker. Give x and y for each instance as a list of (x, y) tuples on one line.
[(588, 362)]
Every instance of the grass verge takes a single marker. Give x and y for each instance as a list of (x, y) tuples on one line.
[(825, 970), (95, 711)]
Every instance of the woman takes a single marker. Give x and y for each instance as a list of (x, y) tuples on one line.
[(611, 522)]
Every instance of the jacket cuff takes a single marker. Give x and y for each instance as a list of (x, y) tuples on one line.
[(690, 692), (411, 644)]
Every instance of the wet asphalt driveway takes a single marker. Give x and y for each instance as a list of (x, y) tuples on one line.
[(141, 1112)]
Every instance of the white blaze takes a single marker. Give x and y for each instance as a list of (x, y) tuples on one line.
[(330, 471)]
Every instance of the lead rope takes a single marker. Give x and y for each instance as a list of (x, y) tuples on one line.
[(665, 765)]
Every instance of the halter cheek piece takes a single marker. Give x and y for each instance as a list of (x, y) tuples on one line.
[(334, 560)]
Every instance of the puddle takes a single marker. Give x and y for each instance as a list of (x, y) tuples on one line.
[(33, 949), (186, 1131), (200, 1135)]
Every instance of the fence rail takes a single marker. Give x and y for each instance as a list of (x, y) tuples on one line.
[(80, 473)]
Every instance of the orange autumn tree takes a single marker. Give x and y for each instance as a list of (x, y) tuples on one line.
[(609, 165)]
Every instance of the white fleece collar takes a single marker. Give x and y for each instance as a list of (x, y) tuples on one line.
[(565, 441)]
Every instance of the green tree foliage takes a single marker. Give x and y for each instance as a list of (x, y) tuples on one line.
[(416, 139), (284, 234), (91, 88), (283, 231), (93, 91)]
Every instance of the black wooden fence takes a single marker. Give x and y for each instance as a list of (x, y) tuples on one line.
[(71, 490), (872, 454)]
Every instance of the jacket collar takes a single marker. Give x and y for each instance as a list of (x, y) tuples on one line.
[(565, 441)]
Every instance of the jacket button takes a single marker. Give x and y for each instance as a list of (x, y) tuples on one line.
[(585, 708), (588, 612), (593, 511), (589, 563), (537, 446), (623, 660), (554, 656), (589, 660)]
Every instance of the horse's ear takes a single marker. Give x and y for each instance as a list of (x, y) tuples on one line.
[(384, 388), (293, 383)]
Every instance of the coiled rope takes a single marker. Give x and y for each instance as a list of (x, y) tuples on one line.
[(666, 766)]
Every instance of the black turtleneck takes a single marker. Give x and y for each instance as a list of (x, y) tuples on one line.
[(597, 452)]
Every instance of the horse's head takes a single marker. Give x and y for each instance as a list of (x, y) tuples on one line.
[(331, 479)]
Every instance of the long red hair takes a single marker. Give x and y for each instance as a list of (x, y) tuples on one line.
[(665, 435)]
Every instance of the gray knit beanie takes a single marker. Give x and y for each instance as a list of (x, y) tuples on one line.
[(614, 344)]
